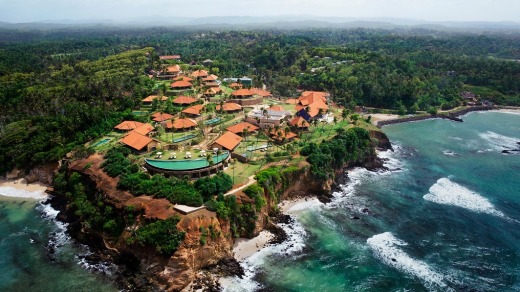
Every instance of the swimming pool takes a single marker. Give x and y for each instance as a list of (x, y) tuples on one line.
[(101, 142)]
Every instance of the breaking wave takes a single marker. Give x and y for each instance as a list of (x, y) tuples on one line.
[(500, 142), (386, 247)]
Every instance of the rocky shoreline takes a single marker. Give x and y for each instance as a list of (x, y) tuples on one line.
[(454, 116)]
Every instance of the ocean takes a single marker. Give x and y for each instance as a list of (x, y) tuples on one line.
[(36, 254), (444, 217)]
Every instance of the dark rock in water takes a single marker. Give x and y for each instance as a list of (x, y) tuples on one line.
[(226, 267), (518, 143), (393, 260), (506, 151), (365, 210), (356, 218)]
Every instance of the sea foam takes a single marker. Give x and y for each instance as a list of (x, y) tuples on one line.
[(500, 142), (294, 243), (19, 193), (386, 247), (447, 192)]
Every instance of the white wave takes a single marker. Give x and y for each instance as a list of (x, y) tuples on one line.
[(295, 243), (500, 142), (390, 160), (386, 247), (447, 192), (449, 153), (20, 193)]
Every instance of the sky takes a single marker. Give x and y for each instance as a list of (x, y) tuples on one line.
[(429, 10)]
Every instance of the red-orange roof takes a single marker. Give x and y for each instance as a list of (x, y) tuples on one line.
[(183, 78), (312, 97), (199, 73), (321, 93), (277, 108), (144, 129), (280, 134), (128, 125), (150, 98), (161, 117), (213, 90), (229, 141), (235, 85), (181, 84), (240, 127), (181, 124), (260, 92), (170, 57), (173, 69), (292, 101), (230, 106), (136, 140), (242, 92), (194, 110), (211, 77), (184, 100), (299, 122)]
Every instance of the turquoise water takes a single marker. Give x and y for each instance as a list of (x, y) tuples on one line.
[(445, 218), (101, 142), (36, 254)]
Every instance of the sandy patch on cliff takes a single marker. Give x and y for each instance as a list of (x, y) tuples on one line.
[(244, 247), (296, 206), (21, 189), (509, 110)]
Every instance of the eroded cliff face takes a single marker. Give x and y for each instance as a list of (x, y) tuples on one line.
[(207, 240)]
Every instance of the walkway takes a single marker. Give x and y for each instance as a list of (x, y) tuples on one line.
[(250, 180)]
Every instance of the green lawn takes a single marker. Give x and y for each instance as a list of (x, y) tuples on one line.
[(241, 171)]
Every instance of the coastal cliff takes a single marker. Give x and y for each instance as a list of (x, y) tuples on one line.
[(208, 238)]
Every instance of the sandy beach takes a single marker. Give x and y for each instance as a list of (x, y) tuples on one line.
[(511, 110), (21, 189), (382, 117), (245, 247), (296, 206)]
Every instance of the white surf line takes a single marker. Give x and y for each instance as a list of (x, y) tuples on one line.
[(386, 247), (446, 192), (500, 142)]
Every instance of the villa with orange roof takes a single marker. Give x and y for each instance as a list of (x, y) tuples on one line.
[(312, 105), (199, 74), (139, 143), (149, 99), (230, 107), (240, 127), (128, 125), (181, 124), (228, 141), (299, 123), (181, 85), (213, 91), (194, 110), (161, 117), (184, 100)]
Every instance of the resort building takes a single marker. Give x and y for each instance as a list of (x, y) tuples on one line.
[(230, 107), (183, 78), (149, 99), (139, 143), (299, 123), (247, 97), (161, 117), (267, 118), (181, 85), (128, 126), (235, 86), (144, 129), (170, 57), (312, 105), (245, 81), (241, 127), (213, 91), (184, 100), (281, 135), (181, 124), (194, 111), (199, 74), (228, 141)]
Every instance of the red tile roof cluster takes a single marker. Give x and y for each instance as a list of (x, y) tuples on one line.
[(228, 141), (184, 100), (213, 91), (235, 85), (230, 107), (136, 140), (292, 101), (299, 122), (161, 117), (183, 78), (314, 101), (200, 73), (150, 98), (179, 124), (280, 134), (251, 92), (128, 125), (144, 129), (240, 127), (181, 84), (173, 69), (194, 110), (211, 77)]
